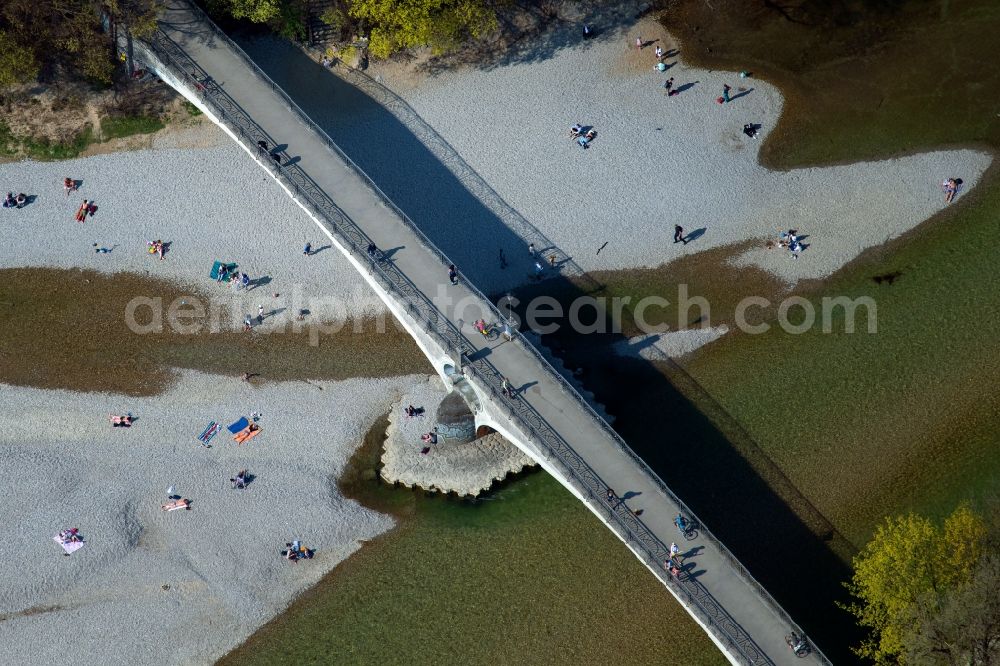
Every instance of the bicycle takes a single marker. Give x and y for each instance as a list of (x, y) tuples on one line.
[(489, 331), (686, 527), (799, 645)]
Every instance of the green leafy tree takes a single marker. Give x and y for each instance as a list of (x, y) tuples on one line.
[(17, 62), (440, 24), (906, 571), (258, 11)]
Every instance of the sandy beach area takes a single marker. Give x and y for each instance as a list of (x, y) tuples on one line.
[(177, 587)]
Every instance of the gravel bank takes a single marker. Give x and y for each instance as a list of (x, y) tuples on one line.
[(209, 204), (659, 161), (65, 466), (661, 346)]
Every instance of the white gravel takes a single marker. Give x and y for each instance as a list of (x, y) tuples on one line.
[(63, 466), (658, 161), (467, 469), (661, 346), (209, 203)]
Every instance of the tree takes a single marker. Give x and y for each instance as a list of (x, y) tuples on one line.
[(440, 24), (258, 11), (17, 63), (906, 571), (966, 628)]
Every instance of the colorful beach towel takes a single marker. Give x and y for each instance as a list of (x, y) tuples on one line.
[(211, 431), (70, 546), (219, 267)]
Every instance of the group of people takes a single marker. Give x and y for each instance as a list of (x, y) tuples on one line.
[(72, 535), (583, 138), (295, 551), (155, 247), (483, 328), (19, 201), (236, 279), (121, 421), (85, 209)]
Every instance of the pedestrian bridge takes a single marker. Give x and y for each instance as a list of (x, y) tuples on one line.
[(550, 421)]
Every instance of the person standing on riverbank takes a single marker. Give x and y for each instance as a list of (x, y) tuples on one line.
[(679, 234)]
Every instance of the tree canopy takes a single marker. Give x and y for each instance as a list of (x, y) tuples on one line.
[(390, 25), (35, 34), (918, 589), (440, 24)]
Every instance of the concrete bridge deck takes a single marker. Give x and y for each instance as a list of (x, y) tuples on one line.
[(548, 419)]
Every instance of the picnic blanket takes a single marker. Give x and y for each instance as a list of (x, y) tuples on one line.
[(239, 425), (218, 267), (211, 431), (70, 547)]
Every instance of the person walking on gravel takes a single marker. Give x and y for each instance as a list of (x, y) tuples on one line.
[(725, 93)]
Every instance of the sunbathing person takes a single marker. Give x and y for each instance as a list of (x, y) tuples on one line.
[(8, 201), (176, 504), (750, 130), (591, 133), (120, 421), (70, 536), (21, 200), (575, 130), (430, 437)]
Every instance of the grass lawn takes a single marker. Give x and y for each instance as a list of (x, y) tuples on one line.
[(114, 127)]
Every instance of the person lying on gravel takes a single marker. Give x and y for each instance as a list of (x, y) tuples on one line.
[(176, 504), (120, 421)]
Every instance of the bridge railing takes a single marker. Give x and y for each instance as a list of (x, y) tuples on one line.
[(425, 313)]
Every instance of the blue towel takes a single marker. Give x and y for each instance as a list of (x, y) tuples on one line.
[(239, 425)]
